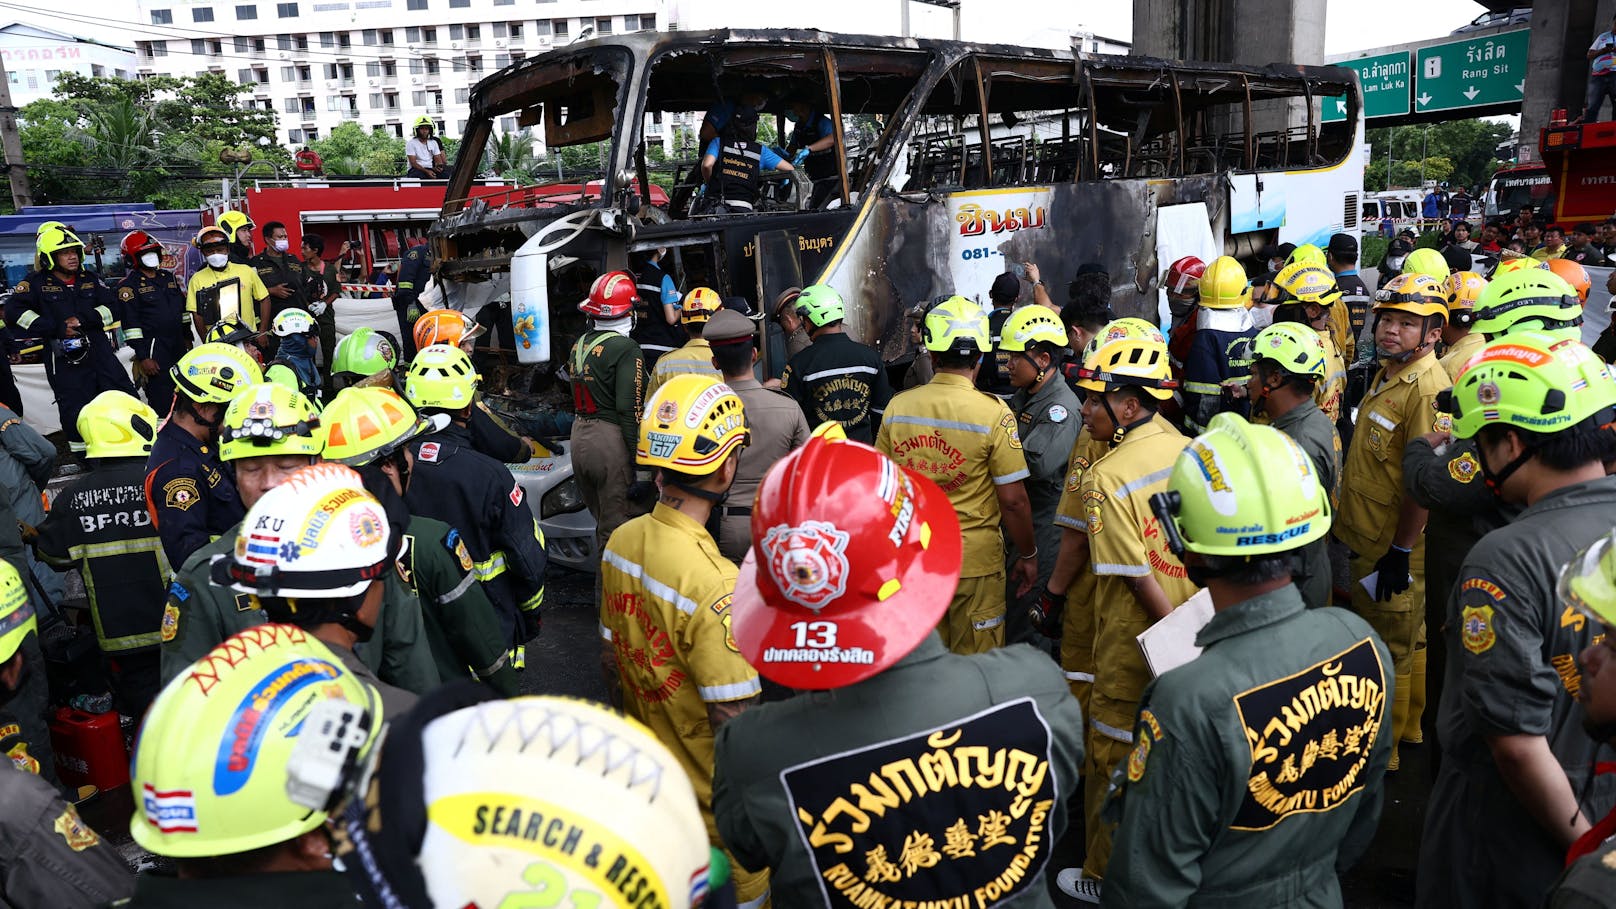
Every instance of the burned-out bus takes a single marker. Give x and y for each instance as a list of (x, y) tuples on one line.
[(953, 163)]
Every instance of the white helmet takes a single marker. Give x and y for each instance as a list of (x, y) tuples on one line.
[(292, 322), (318, 535)]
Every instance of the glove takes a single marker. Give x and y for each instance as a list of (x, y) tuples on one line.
[(1394, 577), (642, 494), (799, 157), (1045, 617), (413, 312), (317, 308)]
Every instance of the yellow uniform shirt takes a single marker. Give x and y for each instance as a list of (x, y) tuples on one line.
[(695, 358), (252, 289), (1393, 412), (1340, 330), (1328, 393), (665, 610), (1466, 347), (965, 441)]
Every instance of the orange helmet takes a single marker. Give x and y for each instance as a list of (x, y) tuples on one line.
[(1574, 274), (445, 326)]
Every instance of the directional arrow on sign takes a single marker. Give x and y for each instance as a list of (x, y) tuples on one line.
[(1341, 107), (1471, 93), (1424, 99), (1521, 86)]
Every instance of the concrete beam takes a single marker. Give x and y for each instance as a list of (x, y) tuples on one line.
[(1557, 64), (1225, 31)]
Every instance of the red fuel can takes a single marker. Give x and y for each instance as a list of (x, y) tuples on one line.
[(89, 749)]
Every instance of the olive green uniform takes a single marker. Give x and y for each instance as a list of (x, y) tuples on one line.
[(462, 626), (608, 391), (1049, 421), (48, 855), (1315, 432), (200, 615), (1512, 670), (777, 428), (933, 779), (1590, 882), (1237, 795)]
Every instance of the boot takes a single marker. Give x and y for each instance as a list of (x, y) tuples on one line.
[(1413, 732), (1399, 715)]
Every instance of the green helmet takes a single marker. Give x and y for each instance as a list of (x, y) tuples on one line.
[(1529, 299), (1244, 490), (269, 419), (1308, 254), (421, 121), (1532, 382), (1298, 349), (17, 619), (821, 305), (1427, 261), (364, 353), (1588, 581), (441, 377), (1029, 324), (955, 324)]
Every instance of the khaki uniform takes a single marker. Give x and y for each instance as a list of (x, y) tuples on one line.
[(1340, 331), (1316, 434), (1329, 392), (965, 441), (778, 428), (1390, 415), (1077, 622), (666, 615), (1468, 346), (695, 358), (1125, 541)]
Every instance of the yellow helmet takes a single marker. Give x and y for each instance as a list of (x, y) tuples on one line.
[(211, 766), (1519, 263), (421, 121), (958, 325), (1123, 355), (1224, 285), (363, 425), (47, 225), (117, 425), (1304, 282), (699, 305), (1029, 324), (268, 419), (212, 373), (691, 425), (441, 377), (231, 222), (1419, 294), (1426, 261), (17, 620), (53, 241)]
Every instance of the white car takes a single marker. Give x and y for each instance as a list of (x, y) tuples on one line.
[(552, 493)]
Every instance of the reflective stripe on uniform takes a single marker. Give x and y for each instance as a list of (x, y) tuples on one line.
[(490, 568), (116, 547), (1080, 676), (1111, 732), (1012, 477), (134, 334), (731, 692), (1127, 571), (1128, 489), (105, 314), (458, 591), (492, 668), (840, 371), (605, 633), (985, 624), (1385, 423), (1071, 523), (533, 602), (27, 318), (906, 419), (1203, 388), (652, 586)]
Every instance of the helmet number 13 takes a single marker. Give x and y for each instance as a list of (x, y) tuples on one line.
[(819, 635)]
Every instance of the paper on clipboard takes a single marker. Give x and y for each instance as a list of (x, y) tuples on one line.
[(1170, 643)]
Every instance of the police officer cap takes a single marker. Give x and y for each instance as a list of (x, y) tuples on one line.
[(727, 325)]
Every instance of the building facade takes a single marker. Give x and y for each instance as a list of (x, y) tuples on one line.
[(35, 56)]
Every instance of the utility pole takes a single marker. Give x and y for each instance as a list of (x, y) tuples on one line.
[(11, 144)]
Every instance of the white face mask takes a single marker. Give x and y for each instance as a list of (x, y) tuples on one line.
[(280, 245), (150, 259), (219, 260)]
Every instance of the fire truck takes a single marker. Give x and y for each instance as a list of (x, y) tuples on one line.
[(1581, 163)]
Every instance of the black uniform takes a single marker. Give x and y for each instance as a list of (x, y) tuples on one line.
[(994, 375), (303, 889), (414, 270), (736, 174), (475, 494), (837, 378), (282, 268), (652, 331), (40, 306), (492, 437), (156, 327), (190, 497), (99, 525)]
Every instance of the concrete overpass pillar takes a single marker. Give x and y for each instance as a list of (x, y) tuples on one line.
[(1250, 32), (1557, 64)]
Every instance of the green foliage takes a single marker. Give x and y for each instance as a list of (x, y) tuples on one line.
[(510, 155), (1372, 248), (349, 150), (1462, 152)]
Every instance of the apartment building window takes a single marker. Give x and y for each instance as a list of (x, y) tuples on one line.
[(603, 25), (415, 4), (293, 105), (375, 100), (506, 125), (162, 17), (474, 33), (541, 28), (462, 95), (308, 106), (561, 27), (504, 2), (418, 99), (648, 21), (502, 60), (344, 40), (283, 42), (294, 136), (369, 37), (457, 32), (474, 64), (286, 10), (459, 4), (387, 37), (460, 127), (199, 47), (518, 56), (288, 74), (157, 49), (391, 101), (431, 66), (202, 14), (301, 42), (516, 31), (246, 11), (500, 30), (417, 67), (373, 69), (312, 135), (241, 45), (327, 39), (389, 68)]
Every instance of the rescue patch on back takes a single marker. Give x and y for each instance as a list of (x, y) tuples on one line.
[(1311, 736), (957, 815)]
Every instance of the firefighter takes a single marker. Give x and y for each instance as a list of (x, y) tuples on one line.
[(1342, 258), (608, 388), (1208, 813), (52, 858), (696, 356), (1382, 525), (656, 326), (1307, 294), (1288, 364), (74, 311), (154, 317), (862, 560), (190, 498), (993, 376), (98, 524), (1138, 579), (1223, 325), (664, 619), (414, 271), (269, 433), (774, 421), (835, 377), (1518, 783), (475, 494), (489, 434), (238, 230), (224, 290), (734, 164), (1463, 288), (230, 824), (367, 356), (1182, 284)]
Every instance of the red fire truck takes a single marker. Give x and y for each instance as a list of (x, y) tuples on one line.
[(1581, 163)]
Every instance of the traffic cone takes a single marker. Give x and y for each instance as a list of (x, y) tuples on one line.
[(1412, 731)]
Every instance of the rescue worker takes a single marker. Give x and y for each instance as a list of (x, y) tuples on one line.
[(1208, 814), (414, 271), (1531, 299), (1048, 420), (994, 375), (836, 378), (185, 458), (733, 165), (608, 390), (232, 828), (1138, 579), (489, 434), (657, 329), (1463, 288), (789, 329), (293, 366), (476, 495), (50, 857), (238, 229), (1223, 325), (665, 622), (1307, 295), (269, 433), (813, 147), (1574, 274), (224, 290), (153, 317), (1517, 785), (1288, 364), (281, 271), (1182, 285), (887, 540), (27, 462), (1428, 262), (322, 288), (370, 430), (367, 357), (98, 524), (696, 356), (775, 426), (1342, 257), (1379, 522), (74, 311), (968, 443)]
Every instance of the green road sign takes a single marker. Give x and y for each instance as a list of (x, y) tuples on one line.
[(1471, 73), (1385, 82)]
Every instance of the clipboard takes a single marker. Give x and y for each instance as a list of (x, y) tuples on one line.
[(1170, 643)]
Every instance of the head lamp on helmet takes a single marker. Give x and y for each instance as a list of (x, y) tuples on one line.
[(1427, 262), (364, 425), (821, 305), (843, 535), (956, 325), (445, 326), (1534, 299), (699, 305), (441, 377), (267, 419), (212, 373), (117, 425), (364, 353), (1224, 285), (691, 425)]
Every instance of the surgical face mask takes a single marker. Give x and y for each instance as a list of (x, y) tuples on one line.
[(1395, 263), (219, 260), (150, 259), (280, 245)]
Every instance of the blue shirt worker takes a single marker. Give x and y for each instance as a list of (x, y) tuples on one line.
[(154, 317), (813, 148), (733, 166)]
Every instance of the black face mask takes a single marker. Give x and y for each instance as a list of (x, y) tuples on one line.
[(360, 630)]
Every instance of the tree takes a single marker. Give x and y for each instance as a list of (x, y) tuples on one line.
[(349, 150), (511, 157), (1466, 149)]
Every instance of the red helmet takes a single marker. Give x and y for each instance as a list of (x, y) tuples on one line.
[(136, 242), (854, 561), (612, 296), (1184, 276)]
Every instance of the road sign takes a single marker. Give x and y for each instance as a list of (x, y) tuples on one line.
[(1385, 82), (1474, 72)]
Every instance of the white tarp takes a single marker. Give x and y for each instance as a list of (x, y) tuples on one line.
[(1182, 230)]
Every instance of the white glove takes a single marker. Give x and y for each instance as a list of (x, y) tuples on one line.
[(317, 308)]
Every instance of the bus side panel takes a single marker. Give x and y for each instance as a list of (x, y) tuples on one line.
[(1325, 198)]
